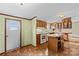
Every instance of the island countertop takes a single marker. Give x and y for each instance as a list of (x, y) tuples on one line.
[(54, 35)]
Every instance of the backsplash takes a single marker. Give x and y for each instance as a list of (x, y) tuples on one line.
[(41, 30)]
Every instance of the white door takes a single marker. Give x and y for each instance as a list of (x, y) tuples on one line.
[(12, 34)]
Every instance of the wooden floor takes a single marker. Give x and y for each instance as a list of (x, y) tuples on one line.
[(70, 49), (29, 51)]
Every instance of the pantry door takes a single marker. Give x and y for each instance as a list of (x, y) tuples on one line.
[(13, 39)]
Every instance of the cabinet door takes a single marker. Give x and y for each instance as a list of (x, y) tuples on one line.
[(59, 25), (67, 23), (40, 24), (53, 43), (45, 25), (36, 24), (37, 40)]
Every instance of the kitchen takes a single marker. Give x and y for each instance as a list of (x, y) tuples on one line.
[(42, 33), (54, 34)]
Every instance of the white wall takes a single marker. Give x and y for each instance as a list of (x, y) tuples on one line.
[(75, 28), (75, 32)]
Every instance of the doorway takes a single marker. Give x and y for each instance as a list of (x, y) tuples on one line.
[(12, 34)]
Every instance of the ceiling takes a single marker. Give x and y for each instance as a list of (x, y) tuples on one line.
[(45, 11)]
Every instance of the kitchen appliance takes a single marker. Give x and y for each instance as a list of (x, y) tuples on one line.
[(44, 38), (43, 35)]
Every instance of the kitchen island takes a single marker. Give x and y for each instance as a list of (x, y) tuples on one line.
[(54, 42)]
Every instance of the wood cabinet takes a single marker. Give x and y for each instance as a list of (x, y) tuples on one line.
[(41, 23), (55, 43), (59, 25), (65, 36), (67, 23), (52, 43), (56, 25), (38, 40), (53, 25)]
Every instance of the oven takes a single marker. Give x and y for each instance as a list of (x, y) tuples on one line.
[(43, 38)]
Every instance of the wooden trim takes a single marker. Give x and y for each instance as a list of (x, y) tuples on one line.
[(17, 48), (18, 16), (5, 36), (27, 45), (20, 31), (44, 43), (75, 21)]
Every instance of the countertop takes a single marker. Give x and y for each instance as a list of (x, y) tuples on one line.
[(54, 35)]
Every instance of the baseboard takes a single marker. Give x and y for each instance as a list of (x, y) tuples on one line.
[(74, 41), (1, 53), (16, 48), (44, 43), (26, 45)]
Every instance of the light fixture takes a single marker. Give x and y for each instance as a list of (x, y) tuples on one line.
[(21, 4), (61, 15)]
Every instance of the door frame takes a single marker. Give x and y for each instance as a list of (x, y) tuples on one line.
[(6, 31)]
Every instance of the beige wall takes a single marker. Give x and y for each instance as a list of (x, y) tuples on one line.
[(74, 37), (2, 34), (75, 27), (27, 32), (34, 31)]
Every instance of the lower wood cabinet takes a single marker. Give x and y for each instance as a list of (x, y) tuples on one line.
[(38, 40), (55, 43), (65, 36)]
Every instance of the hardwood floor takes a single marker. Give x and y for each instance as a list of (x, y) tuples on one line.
[(70, 49), (29, 51)]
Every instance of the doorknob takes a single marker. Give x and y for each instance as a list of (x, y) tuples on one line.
[(6, 35)]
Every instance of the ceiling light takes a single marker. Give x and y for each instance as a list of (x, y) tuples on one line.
[(61, 15), (21, 4)]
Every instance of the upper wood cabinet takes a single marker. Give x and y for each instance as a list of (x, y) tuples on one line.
[(67, 23), (53, 25), (41, 23), (56, 25), (59, 25)]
